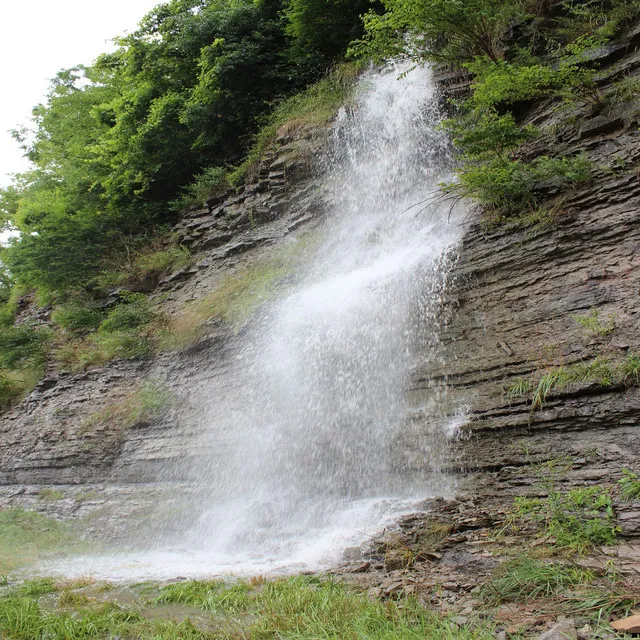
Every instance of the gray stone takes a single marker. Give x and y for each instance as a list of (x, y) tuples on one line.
[(562, 630), (600, 125)]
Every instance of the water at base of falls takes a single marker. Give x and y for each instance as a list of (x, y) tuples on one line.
[(312, 411)]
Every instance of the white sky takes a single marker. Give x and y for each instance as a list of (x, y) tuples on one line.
[(40, 37)]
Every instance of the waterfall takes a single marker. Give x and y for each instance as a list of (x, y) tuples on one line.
[(312, 410)]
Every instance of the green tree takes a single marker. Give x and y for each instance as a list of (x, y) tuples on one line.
[(324, 28)]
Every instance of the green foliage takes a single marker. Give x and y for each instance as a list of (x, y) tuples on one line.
[(601, 370), (594, 325), (625, 90), (123, 333), (25, 535), (211, 181), (301, 608), (115, 142), (36, 588), (480, 134), (50, 495), (604, 18), (439, 30), (150, 401), (61, 251), (575, 520), (22, 618), (78, 316), (133, 313), (521, 387), (156, 263), (524, 579), (22, 345), (314, 107), (629, 485), (11, 390), (235, 298), (501, 83), (215, 596), (323, 29), (508, 186)]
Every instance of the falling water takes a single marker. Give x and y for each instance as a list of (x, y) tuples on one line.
[(308, 419)]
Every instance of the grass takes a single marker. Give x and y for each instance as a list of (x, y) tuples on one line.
[(26, 535), (629, 485), (624, 90), (312, 108), (524, 579), (301, 608), (50, 495), (146, 403), (601, 370), (594, 325), (235, 299), (214, 596), (534, 219), (573, 520)]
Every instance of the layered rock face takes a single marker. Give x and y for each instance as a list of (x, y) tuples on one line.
[(541, 300), (63, 437), (515, 304)]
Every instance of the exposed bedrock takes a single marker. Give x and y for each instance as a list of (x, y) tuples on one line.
[(512, 306)]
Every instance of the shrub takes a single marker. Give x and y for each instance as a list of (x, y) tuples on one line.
[(311, 108), (601, 370), (594, 325), (117, 344), (134, 312), (629, 485), (503, 83), (510, 186), (576, 519), (11, 390), (211, 181), (78, 316), (438, 30), (22, 346)]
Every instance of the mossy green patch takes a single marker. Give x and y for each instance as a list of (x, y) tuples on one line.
[(26, 535)]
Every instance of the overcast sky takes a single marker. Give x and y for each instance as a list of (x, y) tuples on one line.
[(39, 37)]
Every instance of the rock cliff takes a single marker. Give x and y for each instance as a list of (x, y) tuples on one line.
[(514, 308)]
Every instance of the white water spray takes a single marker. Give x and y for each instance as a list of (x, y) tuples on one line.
[(308, 421)]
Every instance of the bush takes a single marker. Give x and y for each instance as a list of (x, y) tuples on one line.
[(11, 390), (211, 181), (510, 186), (133, 313), (148, 402), (503, 83), (439, 30), (22, 346), (311, 108), (78, 316), (118, 344), (576, 519), (324, 29)]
